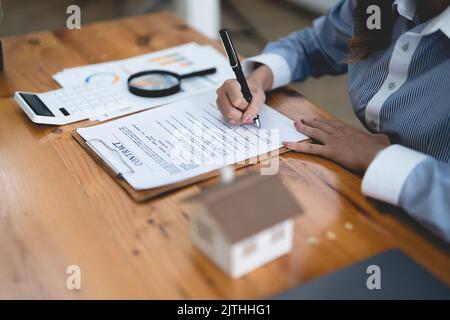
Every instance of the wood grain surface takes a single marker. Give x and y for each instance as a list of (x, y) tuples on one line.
[(58, 207)]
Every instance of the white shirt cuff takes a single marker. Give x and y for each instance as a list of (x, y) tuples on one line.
[(277, 64), (386, 175)]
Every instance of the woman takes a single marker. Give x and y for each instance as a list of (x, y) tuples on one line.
[(400, 90)]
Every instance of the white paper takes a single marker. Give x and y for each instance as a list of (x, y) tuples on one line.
[(166, 145), (181, 59)]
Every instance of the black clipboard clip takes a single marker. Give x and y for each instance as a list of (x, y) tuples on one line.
[(101, 153)]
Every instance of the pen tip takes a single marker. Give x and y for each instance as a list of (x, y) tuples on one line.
[(257, 122)]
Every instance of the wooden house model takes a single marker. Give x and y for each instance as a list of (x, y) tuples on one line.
[(244, 224)]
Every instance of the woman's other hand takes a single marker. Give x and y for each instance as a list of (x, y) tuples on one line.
[(351, 147)]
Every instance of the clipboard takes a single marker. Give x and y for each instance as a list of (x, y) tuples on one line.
[(148, 194)]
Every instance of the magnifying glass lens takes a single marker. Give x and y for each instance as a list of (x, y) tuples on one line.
[(160, 83), (154, 82)]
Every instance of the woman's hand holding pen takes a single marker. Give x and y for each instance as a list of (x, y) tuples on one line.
[(231, 103), (233, 106)]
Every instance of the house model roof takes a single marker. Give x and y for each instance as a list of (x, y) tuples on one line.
[(249, 205)]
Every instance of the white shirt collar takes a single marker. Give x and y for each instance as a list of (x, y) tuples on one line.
[(406, 8), (446, 27), (440, 22)]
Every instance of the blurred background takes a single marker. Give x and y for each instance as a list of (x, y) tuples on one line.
[(252, 23)]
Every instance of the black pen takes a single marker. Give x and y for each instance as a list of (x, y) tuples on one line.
[(237, 69)]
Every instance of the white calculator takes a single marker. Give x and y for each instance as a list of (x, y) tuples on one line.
[(67, 105)]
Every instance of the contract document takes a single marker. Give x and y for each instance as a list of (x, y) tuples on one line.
[(162, 146)]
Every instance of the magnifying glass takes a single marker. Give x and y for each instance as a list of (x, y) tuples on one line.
[(160, 83)]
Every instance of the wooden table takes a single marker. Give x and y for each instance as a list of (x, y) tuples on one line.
[(59, 208)]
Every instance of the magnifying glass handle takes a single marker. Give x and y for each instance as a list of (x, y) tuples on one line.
[(198, 73)]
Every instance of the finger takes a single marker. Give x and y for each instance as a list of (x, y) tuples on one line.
[(219, 105), (229, 112), (253, 109), (308, 148), (233, 122), (319, 124), (237, 101), (233, 91), (311, 132), (335, 123)]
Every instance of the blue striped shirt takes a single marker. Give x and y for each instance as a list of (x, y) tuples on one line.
[(402, 91)]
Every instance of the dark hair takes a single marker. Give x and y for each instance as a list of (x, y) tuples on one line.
[(366, 41)]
